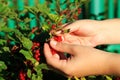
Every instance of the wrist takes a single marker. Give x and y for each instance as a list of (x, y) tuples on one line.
[(104, 63), (114, 63), (109, 31)]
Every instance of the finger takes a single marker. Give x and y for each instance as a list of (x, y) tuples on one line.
[(62, 47), (53, 60), (48, 54), (68, 27), (72, 27)]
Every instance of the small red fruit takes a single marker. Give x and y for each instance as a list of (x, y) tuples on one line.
[(34, 29), (75, 17), (49, 22), (53, 26), (58, 38), (79, 10), (22, 75), (53, 51)]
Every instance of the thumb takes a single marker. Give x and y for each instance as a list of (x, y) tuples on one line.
[(62, 47)]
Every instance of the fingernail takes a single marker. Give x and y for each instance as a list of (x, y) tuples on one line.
[(54, 42)]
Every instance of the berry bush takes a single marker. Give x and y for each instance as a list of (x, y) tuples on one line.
[(21, 47)]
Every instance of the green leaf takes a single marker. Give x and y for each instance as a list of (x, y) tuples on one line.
[(2, 23), (2, 42), (7, 30), (38, 70), (45, 27), (13, 15), (26, 42), (108, 77), (29, 73), (83, 78), (4, 9), (6, 49), (39, 78), (55, 18), (43, 8), (41, 66), (1, 51), (1, 78), (2, 66), (28, 55), (33, 77), (91, 76), (30, 9), (69, 79), (36, 77), (18, 33), (26, 20), (76, 78), (11, 38)]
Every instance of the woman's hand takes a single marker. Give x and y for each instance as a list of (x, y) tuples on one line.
[(83, 32), (92, 32), (83, 60)]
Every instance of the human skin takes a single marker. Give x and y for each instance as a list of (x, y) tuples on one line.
[(86, 60), (92, 32)]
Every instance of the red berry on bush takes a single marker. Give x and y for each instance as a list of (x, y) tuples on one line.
[(79, 10), (34, 29), (53, 26), (37, 44), (22, 75), (49, 22), (75, 16)]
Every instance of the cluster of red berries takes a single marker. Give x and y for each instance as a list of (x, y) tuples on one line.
[(75, 15), (36, 50), (22, 75)]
